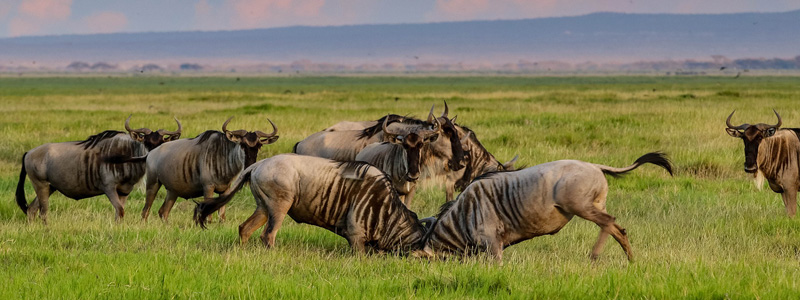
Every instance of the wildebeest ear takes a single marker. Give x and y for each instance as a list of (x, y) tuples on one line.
[(769, 132), (137, 136), (734, 132), (510, 164), (233, 137), (433, 137), (172, 137)]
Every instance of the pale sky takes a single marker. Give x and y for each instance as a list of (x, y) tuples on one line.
[(54, 17)]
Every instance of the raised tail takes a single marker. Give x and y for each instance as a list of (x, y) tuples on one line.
[(206, 208), (656, 158), (121, 159), (23, 204)]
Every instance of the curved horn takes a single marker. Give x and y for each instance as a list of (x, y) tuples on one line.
[(274, 131), (177, 132), (780, 121), (728, 121), (128, 127), (127, 123), (386, 120), (446, 110), (225, 125), (430, 115), (466, 137)]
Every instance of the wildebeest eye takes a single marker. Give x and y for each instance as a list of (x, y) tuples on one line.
[(400, 137)]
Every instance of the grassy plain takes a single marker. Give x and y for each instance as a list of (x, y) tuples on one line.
[(705, 233)]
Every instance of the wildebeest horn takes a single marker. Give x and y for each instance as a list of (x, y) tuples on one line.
[(225, 125), (177, 132), (728, 121), (446, 110), (386, 120), (779, 119), (128, 127), (274, 131), (466, 137), (430, 115)]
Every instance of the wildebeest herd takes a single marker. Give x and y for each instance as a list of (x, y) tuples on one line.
[(357, 179)]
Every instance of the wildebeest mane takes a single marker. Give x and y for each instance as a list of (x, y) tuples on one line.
[(201, 138), (93, 140), (373, 130)]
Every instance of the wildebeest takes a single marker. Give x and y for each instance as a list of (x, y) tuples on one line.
[(501, 209), (352, 199), (78, 170), (201, 166), (400, 157), (773, 152), (477, 161)]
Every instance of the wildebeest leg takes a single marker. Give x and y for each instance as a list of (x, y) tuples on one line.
[(790, 200), (598, 246), (275, 215), (410, 196), (608, 226), (41, 204), (153, 185), (258, 219), (495, 249), (163, 212), (449, 190), (112, 195)]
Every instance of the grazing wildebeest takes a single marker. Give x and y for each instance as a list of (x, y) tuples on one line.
[(201, 166), (78, 170), (400, 157), (352, 199), (501, 209), (773, 152)]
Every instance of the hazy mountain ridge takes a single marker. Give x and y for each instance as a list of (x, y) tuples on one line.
[(599, 37)]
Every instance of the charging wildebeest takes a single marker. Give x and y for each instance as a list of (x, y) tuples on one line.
[(78, 169), (352, 199), (773, 152), (201, 166), (501, 209)]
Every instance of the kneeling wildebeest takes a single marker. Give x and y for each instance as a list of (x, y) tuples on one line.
[(352, 199), (773, 152), (501, 209), (78, 169), (201, 166)]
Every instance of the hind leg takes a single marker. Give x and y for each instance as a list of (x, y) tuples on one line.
[(113, 197), (41, 204), (163, 212), (274, 222), (608, 226), (255, 221), (153, 185)]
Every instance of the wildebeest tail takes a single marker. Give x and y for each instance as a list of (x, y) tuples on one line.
[(121, 159), (656, 158), (206, 208), (23, 204)]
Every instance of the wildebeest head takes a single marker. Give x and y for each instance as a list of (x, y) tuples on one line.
[(413, 139), (752, 135), (152, 139), (250, 141), (457, 161)]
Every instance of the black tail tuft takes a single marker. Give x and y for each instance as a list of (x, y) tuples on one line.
[(20, 195), (206, 208), (657, 158)]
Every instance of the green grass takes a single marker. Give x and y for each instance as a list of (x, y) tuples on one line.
[(705, 233)]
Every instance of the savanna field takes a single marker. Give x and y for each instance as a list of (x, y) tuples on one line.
[(707, 232)]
